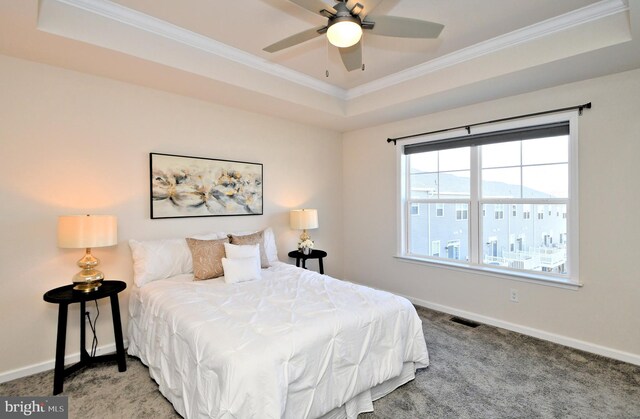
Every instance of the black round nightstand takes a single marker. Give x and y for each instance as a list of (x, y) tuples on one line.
[(63, 296), (315, 254)]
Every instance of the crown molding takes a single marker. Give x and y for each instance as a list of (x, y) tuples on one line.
[(141, 21), (563, 22), (138, 20)]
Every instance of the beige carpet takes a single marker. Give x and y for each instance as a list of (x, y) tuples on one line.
[(475, 373)]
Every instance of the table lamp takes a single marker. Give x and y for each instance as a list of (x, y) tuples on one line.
[(304, 219), (86, 232)]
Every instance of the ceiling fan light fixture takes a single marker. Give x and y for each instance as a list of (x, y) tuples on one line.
[(344, 32)]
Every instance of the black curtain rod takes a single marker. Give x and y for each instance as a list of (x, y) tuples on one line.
[(468, 127)]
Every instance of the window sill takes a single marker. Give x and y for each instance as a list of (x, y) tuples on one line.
[(481, 270)]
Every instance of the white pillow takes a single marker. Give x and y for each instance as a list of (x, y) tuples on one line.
[(234, 251), (241, 269), (159, 259)]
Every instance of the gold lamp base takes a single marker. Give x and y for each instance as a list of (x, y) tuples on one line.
[(87, 287), (88, 279), (304, 236)]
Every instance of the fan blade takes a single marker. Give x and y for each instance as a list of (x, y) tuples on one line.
[(404, 27), (294, 39), (368, 6), (352, 56), (315, 6)]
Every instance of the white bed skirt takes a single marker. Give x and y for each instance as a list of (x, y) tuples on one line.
[(363, 402)]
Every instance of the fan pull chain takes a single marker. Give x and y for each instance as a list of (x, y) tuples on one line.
[(326, 71), (362, 49)]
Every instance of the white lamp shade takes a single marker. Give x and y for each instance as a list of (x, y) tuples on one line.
[(87, 231), (344, 34), (304, 219)]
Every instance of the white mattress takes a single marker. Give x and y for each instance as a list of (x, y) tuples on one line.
[(295, 344)]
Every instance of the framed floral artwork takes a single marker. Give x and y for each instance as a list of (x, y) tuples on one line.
[(183, 186)]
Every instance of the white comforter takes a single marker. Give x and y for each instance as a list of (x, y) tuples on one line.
[(294, 344)]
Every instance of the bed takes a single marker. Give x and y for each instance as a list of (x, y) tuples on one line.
[(293, 344)]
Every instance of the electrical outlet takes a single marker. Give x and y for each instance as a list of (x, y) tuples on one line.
[(513, 296)]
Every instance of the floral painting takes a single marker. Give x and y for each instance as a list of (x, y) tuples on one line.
[(199, 187)]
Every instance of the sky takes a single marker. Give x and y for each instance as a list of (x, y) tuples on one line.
[(538, 164)]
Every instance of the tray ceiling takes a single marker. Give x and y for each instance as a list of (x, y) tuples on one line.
[(213, 51)]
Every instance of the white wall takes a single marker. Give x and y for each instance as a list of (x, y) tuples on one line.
[(604, 315), (72, 143)]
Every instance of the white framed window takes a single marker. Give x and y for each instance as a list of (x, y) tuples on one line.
[(508, 170), (462, 212), (415, 209)]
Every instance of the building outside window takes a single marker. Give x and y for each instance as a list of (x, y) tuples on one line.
[(525, 168)]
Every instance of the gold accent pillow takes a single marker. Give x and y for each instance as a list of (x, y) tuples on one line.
[(207, 257), (255, 238)]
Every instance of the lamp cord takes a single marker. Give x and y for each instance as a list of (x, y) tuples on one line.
[(92, 325)]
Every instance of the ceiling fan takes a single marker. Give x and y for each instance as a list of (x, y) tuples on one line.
[(346, 21)]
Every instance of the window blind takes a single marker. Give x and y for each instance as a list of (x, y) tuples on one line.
[(517, 134)]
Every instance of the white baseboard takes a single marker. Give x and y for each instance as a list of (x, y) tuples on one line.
[(540, 334), (49, 365)]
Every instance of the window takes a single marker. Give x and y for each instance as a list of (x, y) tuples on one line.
[(415, 209), (462, 213), (508, 171)]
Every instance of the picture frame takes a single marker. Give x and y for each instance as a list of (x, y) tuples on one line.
[(186, 186)]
